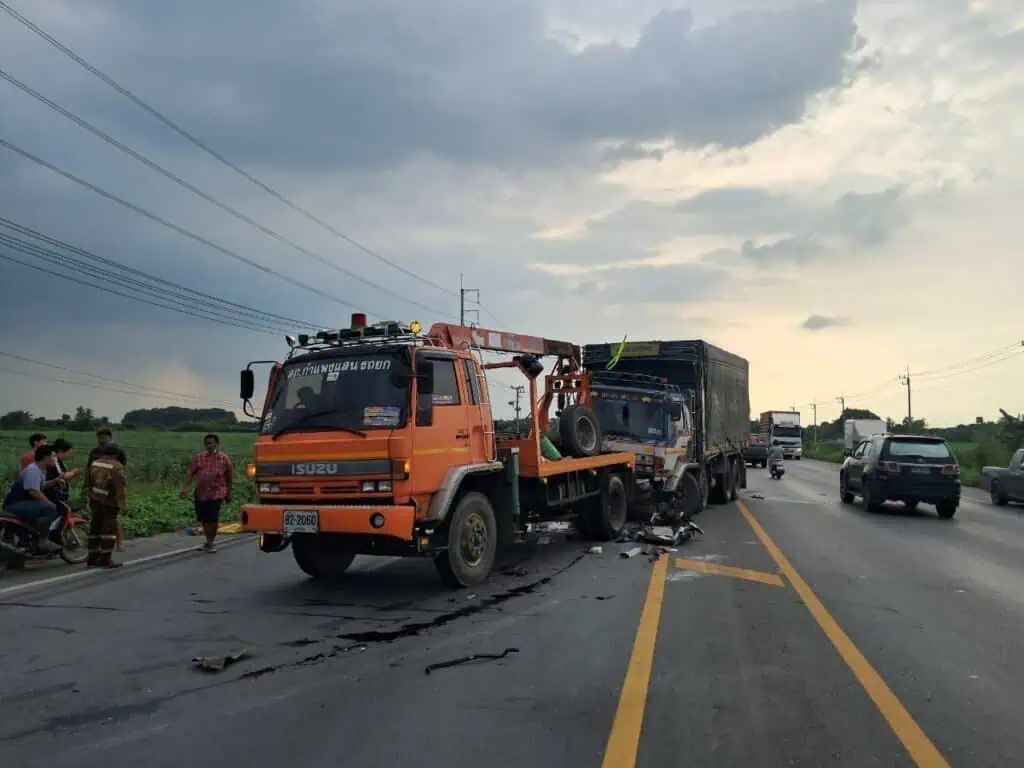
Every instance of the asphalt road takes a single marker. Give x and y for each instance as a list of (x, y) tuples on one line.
[(838, 638)]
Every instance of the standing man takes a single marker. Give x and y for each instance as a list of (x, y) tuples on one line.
[(107, 502), (213, 475), (34, 440), (104, 437), (27, 498)]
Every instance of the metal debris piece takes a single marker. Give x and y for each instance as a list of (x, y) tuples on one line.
[(757, 496), (595, 550), (633, 552), (469, 659), (219, 663), (518, 571)]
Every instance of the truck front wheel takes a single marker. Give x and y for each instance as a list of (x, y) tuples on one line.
[(323, 557), (472, 543)]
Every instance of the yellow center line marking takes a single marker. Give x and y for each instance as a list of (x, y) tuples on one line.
[(727, 570), (624, 740), (920, 748)]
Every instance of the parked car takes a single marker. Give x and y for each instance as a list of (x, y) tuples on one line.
[(1005, 484), (909, 468), (755, 451)]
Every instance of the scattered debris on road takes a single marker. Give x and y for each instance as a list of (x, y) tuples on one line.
[(605, 597), (632, 552), (469, 659), (519, 571), (757, 496), (219, 663), (595, 550)]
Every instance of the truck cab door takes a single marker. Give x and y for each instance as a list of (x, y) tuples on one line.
[(440, 439), (1016, 476), (478, 412)]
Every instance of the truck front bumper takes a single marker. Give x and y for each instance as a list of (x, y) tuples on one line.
[(395, 521)]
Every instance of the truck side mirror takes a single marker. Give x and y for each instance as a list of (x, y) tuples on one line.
[(247, 384), (847, 452), (424, 393), (676, 411)]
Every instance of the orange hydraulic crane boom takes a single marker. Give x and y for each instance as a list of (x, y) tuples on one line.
[(458, 336)]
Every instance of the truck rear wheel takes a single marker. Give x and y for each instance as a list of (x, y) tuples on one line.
[(472, 543), (579, 431), (323, 557), (604, 518)]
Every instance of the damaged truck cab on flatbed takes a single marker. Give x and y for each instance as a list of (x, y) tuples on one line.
[(380, 440)]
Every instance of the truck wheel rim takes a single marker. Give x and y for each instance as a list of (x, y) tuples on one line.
[(473, 541), (586, 433)]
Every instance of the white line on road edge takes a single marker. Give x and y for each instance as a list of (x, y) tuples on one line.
[(92, 572)]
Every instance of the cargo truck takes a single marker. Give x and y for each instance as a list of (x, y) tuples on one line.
[(379, 440), (855, 430), (782, 429), (714, 385)]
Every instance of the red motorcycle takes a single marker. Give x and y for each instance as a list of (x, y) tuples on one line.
[(19, 541)]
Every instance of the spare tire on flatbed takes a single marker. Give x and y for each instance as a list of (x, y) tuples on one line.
[(580, 434)]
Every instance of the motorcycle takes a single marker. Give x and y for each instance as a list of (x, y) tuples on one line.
[(777, 470), (19, 540)]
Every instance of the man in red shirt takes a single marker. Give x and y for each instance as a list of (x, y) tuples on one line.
[(35, 440), (213, 475)]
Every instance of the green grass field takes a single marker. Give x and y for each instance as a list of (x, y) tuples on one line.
[(157, 462), (972, 457)]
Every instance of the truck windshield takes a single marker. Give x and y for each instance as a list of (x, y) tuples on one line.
[(354, 391), (633, 418), (786, 431)]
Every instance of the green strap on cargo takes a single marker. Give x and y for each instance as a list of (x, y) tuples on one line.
[(615, 358)]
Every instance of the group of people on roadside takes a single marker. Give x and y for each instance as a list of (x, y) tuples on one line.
[(40, 495)]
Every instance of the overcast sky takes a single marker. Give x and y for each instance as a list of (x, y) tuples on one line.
[(829, 189)]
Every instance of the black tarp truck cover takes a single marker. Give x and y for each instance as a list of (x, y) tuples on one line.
[(715, 383)]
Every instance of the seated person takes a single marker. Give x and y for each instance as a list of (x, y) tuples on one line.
[(63, 450), (775, 454), (27, 499)]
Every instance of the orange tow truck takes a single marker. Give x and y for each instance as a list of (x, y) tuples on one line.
[(379, 440)]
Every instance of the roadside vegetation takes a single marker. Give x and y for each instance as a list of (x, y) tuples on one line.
[(157, 463)]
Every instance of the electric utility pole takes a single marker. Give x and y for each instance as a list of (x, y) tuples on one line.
[(814, 406), (905, 381), (518, 389), (842, 404), (471, 308)]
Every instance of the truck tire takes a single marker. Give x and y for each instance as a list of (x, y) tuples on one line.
[(323, 557), (579, 432), (693, 495), (722, 491), (472, 543), (996, 494), (607, 514)]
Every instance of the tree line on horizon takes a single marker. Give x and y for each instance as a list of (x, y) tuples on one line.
[(171, 418)]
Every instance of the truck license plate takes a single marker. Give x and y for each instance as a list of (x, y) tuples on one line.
[(301, 521)]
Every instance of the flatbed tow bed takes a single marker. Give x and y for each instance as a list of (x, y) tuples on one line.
[(398, 455)]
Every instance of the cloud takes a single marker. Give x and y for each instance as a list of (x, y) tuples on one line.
[(657, 167), (821, 322)]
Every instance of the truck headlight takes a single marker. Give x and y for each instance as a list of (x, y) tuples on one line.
[(269, 488)]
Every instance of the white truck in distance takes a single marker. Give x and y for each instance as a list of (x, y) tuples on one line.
[(855, 430), (782, 428)]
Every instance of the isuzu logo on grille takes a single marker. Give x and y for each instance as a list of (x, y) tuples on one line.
[(317, 468)]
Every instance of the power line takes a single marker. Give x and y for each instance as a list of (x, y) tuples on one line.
[(143, 387), (213, 153), (180, 230), (88, 385), (986, 356), (198, 298), (151, 297), (204, 195)]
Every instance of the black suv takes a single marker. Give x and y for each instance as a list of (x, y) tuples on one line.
[(907, 468)]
